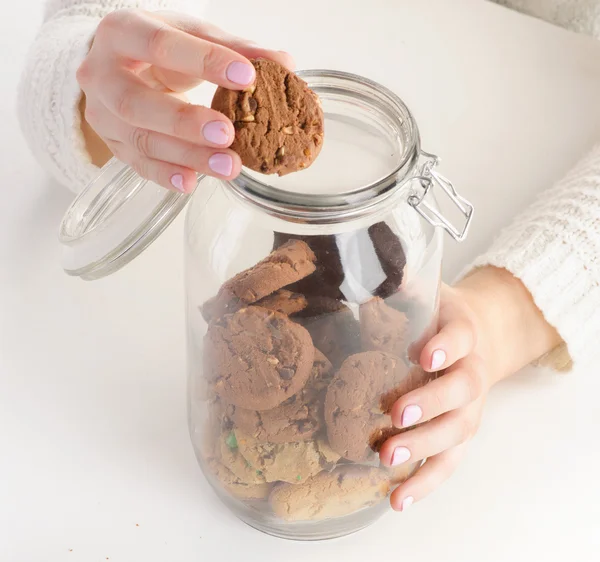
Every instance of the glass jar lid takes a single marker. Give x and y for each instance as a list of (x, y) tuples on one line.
[(119, 214)]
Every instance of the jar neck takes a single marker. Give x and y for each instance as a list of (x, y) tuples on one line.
[(374, 112)]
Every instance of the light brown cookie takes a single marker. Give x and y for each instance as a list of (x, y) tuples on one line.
[(299, 418), (332, 326), (358, 401), (287, 462), (236, 486), (340, 492), (257, 358), (278, 120), (289, 263), (285, 302), (383, 328), (235, 461)]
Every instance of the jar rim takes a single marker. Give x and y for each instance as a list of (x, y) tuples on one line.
[(332, 207)]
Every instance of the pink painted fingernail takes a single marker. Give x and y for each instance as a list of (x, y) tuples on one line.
[(221, 164), (411, 415), (240, 73), (401, 455), (216, 132), (438, 359), (177, 182), (406, 503)]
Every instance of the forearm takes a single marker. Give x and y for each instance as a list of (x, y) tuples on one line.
[(552, 250)]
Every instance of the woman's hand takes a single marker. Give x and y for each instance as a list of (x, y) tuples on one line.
[(489, 328), (133, 78)]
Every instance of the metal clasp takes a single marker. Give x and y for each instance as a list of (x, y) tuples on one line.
[(428, 178)]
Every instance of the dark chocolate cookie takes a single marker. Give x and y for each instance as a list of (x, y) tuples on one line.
[(299, 418), (391, 256), (278, 120), (383, 328), (257, 358), (328, 276), (358, 402), (287, 264)]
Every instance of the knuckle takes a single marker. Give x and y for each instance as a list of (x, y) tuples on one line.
[(124, 105), (160, 43), (116, 20), (140, 139), (474, 384)]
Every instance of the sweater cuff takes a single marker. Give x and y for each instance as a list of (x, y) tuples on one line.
[(561, 284), (49, 97)]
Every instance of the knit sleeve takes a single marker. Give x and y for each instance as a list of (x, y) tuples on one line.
[(554, 249), (49, 96)]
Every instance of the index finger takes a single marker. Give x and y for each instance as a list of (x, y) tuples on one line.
[(137, 36)]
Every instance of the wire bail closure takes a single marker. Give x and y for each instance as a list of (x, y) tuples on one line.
[(429, 178)]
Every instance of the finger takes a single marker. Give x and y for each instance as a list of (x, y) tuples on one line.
[(427, 440), (170, 176), (460, 385), (222, 163), (126, 96), (434, 472), (210, 32), (455, 340), (137, 36)]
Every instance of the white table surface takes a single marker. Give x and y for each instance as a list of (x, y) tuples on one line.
[(95, 462)]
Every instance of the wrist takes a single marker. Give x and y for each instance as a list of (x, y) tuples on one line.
[(512, 327)]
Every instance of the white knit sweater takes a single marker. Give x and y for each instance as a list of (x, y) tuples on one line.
[(554, 247)]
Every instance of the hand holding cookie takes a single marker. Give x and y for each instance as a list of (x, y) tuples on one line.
[(133, 81)]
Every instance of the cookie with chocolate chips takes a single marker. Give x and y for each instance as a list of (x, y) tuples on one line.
[(299, 418), (359, 400), (278, 120), (257, 358)]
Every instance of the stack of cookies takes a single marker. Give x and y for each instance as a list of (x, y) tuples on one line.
[(300, 389)]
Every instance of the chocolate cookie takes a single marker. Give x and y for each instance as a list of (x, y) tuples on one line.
[(328, 277), (332, 326), (383, 328), (340, 492), (358, 402), (286, 462), (287, 264), (278, 120), (391, 256), (283, 301), (257, 358), (299, 418)]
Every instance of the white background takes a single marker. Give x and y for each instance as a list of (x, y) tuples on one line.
[(95, 461)]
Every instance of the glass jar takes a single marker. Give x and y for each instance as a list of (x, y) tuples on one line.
[(308, 298)]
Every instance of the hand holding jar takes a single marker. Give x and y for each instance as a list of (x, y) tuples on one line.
[(134, 77), (490, 328)]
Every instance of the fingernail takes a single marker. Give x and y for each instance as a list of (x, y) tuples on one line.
[(401, 455), (216, 132), (411, 415), (438, 359), (240, 73), (177, 182), (221, 164), (406, 503)]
